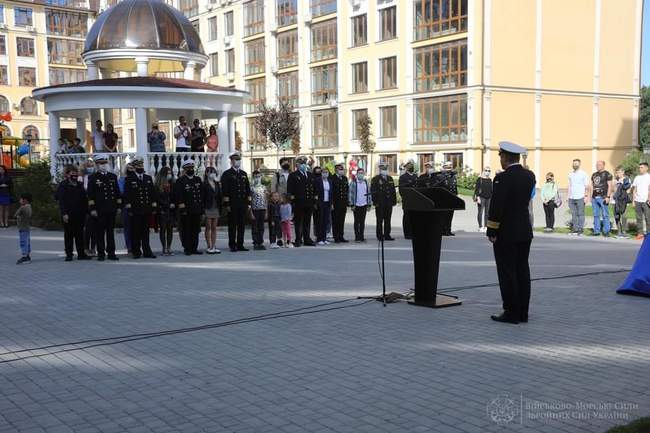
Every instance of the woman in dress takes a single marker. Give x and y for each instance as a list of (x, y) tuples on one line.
[(6, 186), (212, 194), (164, 187)]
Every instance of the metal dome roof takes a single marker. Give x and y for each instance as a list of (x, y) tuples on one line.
[(143, 24)]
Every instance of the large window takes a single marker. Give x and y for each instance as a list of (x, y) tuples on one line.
[(323, 40), (391, 162), (65, 51), (325, 129), (27, 77), (3, 45), (229, 23), (322, 7), (286, 12), (323, 84), (4, 76), (212, 29), (253, 17), (359, 30), (255, 57), (441, 120), (288, 88), (441, 66), (4, 104), (436, 17), (257, 98), (388, 121), (357, 115), (388, 23), (360, 77), (189, 8), (423, 158), (28, 106), (256, 140), (230, 60), (456, 159), (66, 23), (25, 47), (66, 75), (23, 17), (388, 79), (288, 49), (214, 64)]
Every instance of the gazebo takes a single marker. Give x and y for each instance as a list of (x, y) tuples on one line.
[(130, 45)]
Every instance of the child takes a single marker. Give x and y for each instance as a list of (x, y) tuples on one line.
[(24, 222), (621, 199), (275, 229), (285, 221), (258, 206)]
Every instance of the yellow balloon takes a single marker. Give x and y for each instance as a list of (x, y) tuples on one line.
[(23, 161)]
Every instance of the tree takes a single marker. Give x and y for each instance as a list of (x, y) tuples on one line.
[(366, 142), (279, 125), (644, 118)]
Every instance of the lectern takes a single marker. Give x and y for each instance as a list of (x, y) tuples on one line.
[(427, 208)]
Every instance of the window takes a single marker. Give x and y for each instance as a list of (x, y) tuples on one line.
[(256, 141), (391, 163), (423, 158), (27, 77), (324, 160), (359, 30), (456, 160), (229, 23), (357, 115), (65, 51), (388, 23), (4, 104), (388, 73), (325, 128), (189, 8), (437, 17), (388, 121), (254, 56), (230, 60), (288, 88), (322, 7), (66, 23), (30, 132), (323, 41), (360, 77), (258, 163), (117, 118), (214, 64), (362, 161), (2, 14), (288, 49), (66, 75), (4, 76), (212, 29), (441, 120), (3, 45), (23, 17), (253, 17), (441, 66), (28, 106), (25, 47), (257, 90), (323, 84), (286, 12)]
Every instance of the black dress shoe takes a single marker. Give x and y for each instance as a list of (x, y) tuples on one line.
[(68, 258), (451, 234), (344, 240), (242, 248), (84, 258), (136, 257), (233, 249), (310, 243), (388, 238), (297, 244), (101, 258), (504, 318), (114, 258), (187, 253), (197, 253), (149, 256), (523, 319)]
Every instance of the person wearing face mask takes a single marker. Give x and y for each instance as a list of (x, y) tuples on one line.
[(449, 182), (360, 201), (90, 225), (140, 200), (189, 194), (300, 188), (323, 190), (236, 191), (279, 181), (258, 206), (104, 199), (407, 180), (340, 192), (212, 205), (482, 197), (164, 183), (73, 205), (382, 188)]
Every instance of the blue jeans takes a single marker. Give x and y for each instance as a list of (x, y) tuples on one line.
[(25, 242), (600, 208)]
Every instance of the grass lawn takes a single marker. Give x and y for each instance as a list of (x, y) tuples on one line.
[(589, 212), (641, 425), (464, 191)]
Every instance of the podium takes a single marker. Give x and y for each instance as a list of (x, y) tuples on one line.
[(427, 208)]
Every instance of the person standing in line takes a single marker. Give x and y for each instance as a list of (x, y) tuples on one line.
[(110, 139), (621, 199), (550, 201), (104, 199), (428, 179), (322, 189), (300, 187), (382, 188), (236, 190), (482, 197), (281, 177), (98, 137), (286, 216), (73, 205), (190, 200), (577, 198), (141, 203), (448, 179), (24, 223), (126, 221), (164, 183), (274, 217), (258, 206), (90, 225), (601, 190), (182, 135), (156, 139), (340, 193), (198, 136), (408, 179), (6, 187), (212, 197), (641, 195), (360, 201), (511, 233)]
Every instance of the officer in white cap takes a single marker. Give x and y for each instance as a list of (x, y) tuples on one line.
[(141, 202), (448, 181), (340, 192), (407, 180), (189, 198), (104, 199), (236, 191), (510, 231), (300, 188), (384, 198)]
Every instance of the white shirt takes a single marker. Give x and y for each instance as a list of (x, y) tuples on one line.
[(577, 184), (98, 139), (181, 141), (362, 190), (641, 184), (326, 190)]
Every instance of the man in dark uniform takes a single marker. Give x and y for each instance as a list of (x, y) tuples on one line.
[(73, 204), (450, 183), (407, 180), (340, 189), (384, 197), (430, 178), (140, 202), (104, 200), (300, 187), (510, 231), (236, 190), (188, 194)]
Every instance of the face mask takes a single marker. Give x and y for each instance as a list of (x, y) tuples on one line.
[(73, 178), (549, 179), (139, 170), (486, 173), (90, 170), (285, 166), (431, 170), (212, 176), (103, 168), (189, 172), (383, 172), (257, 179), (360, 176), (169, 177), (340, 172), (303, 167), (317, 173), (236, 163), (409, 169), (326, 174)]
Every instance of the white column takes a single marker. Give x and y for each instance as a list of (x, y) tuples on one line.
[(142, 66), (231, 135), (93, 71), (189, 70), (141, 132), (81, 130), (55, 133), (108, 116), (224, 140)]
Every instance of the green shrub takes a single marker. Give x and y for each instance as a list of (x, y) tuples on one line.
[(631, 162), (641, 425), (38, 182), (467, 180)]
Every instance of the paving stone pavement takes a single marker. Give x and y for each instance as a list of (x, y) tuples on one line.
[(580, 365)]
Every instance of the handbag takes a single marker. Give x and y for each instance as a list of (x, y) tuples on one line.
[(557, 200)]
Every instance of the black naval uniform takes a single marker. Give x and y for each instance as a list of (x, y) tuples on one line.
[(407, 180), (340, 189), (73, 202), (236, 191), (189, 195), (509, 222), (140, 202), (104, 198), (300, 187), (384, 198), (448, 181)]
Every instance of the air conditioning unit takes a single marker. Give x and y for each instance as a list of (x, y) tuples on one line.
[(227, 40), (333, 102)]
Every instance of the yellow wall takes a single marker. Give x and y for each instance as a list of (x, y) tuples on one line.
[(615, 123), (566, 121), (616, 56)]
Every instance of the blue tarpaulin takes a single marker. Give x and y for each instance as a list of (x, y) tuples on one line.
[(638, 281)]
